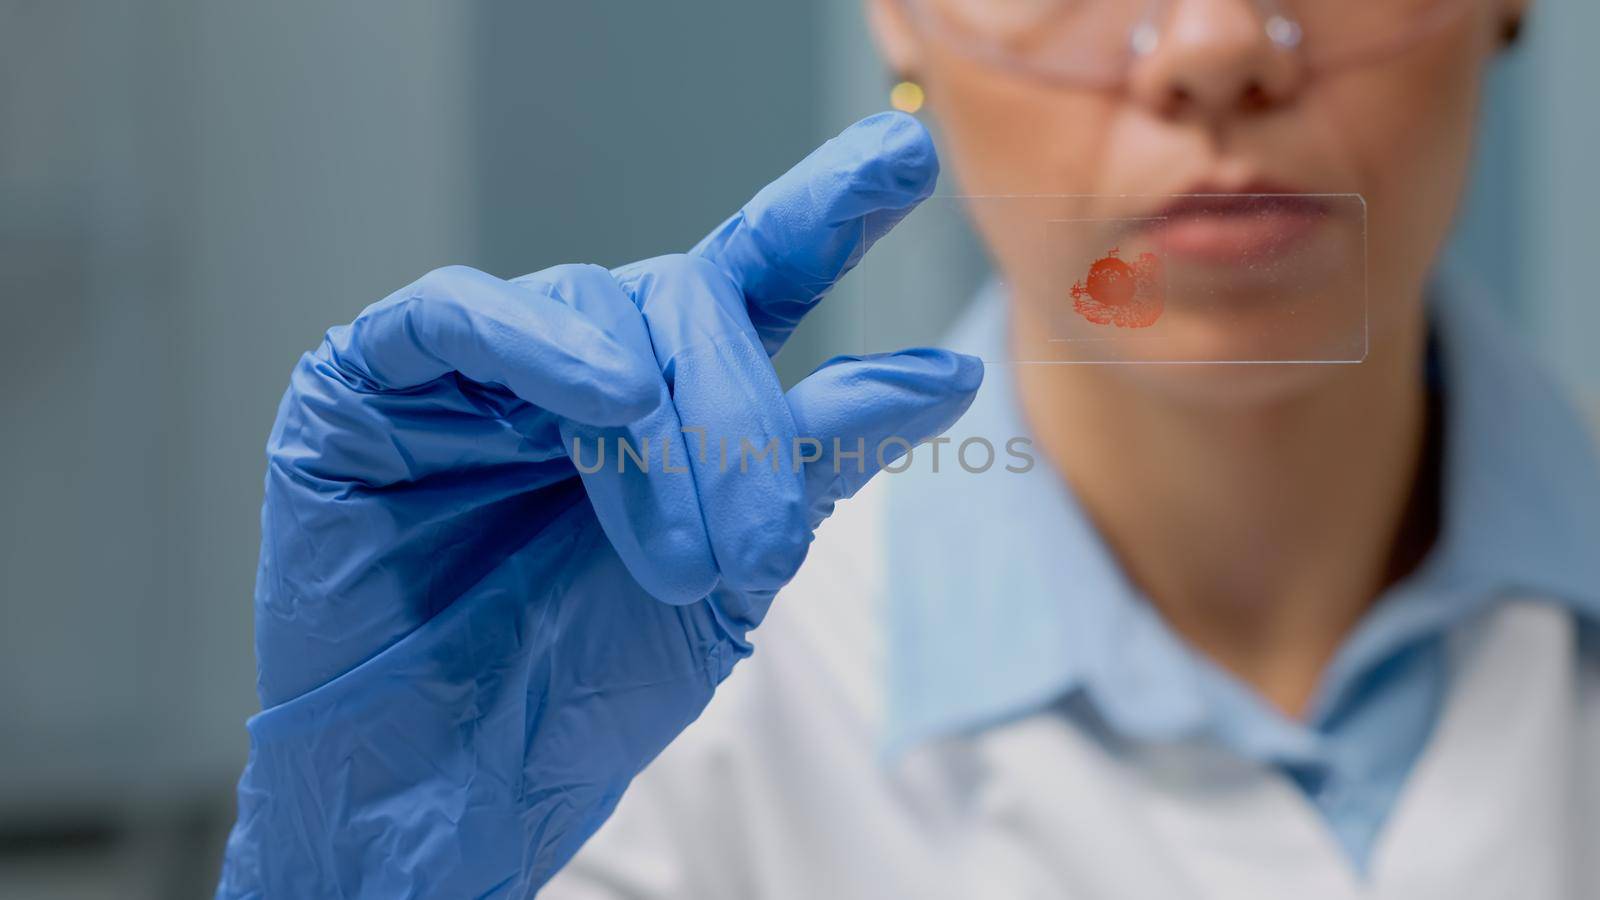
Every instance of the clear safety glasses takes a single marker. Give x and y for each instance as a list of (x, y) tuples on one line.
[(1093, 42)]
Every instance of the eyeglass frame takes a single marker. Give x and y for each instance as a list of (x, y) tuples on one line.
[(1283, 31)]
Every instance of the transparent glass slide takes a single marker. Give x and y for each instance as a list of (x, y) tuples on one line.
[(1204, 278)]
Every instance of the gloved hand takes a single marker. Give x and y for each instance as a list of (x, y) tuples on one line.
[(467, 645)]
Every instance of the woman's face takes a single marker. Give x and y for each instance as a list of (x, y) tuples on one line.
[(1216, 107)]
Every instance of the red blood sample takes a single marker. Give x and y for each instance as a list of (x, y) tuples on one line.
[(1127, 295)]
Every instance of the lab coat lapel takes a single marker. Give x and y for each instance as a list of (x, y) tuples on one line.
[(1493, 799)]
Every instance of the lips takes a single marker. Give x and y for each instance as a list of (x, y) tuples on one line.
[(1215, 227)]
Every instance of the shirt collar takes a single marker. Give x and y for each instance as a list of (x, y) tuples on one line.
[(1522, 482), (1003, 598)]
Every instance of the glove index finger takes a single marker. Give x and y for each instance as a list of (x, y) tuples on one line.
[(491, 331), (802, 233)]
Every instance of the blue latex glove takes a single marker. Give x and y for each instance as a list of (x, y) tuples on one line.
[(467, 649)]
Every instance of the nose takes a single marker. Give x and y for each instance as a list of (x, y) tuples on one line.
[(1211, 59)]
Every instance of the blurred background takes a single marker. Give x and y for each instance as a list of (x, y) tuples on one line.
[(191, 192)]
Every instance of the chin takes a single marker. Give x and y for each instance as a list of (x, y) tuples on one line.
[(1231, 386)]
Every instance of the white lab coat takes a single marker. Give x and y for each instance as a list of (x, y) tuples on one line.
[(780, 791)]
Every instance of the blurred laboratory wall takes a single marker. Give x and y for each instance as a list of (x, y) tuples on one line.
[(191, 192), (1555, 219)]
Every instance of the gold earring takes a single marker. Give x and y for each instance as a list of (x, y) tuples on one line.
[(907, 96)]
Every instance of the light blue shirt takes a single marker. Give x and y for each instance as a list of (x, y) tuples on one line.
[(1005, 601)]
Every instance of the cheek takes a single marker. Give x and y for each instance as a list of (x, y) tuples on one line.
[(1405, 128), (1010, 135), (1006, 135)]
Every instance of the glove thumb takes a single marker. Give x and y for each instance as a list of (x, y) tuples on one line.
[(856, 415)]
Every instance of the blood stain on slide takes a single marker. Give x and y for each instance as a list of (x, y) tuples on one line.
[(1117, 292)]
